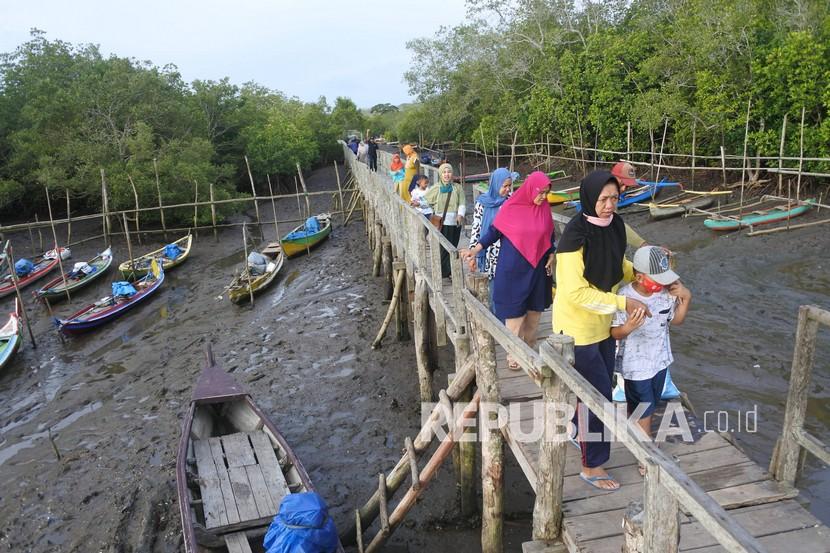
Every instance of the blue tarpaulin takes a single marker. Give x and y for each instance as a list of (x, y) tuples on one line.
[(172, 251), (123, 288), (23, 267), (302, 525), (312, 226)]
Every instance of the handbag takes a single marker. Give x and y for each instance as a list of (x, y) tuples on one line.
[(438, 220)]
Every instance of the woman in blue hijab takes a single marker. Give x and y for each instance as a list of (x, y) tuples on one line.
[(487, 205)]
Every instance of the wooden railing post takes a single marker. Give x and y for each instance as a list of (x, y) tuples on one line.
[(492, 447), (421, 329), (547, 512), (389, 277), (661, 524), (785, 461)]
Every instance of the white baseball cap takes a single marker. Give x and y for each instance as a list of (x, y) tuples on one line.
[(653, 261)]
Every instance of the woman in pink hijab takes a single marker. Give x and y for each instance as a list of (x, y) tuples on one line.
[(522, 287)]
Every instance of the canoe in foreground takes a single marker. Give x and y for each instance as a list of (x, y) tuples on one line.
[(140, 266), (43, 265), (77, 278), (111, 307), (758, 217), (233, 467), (293, 245), (10, 336), (659, 212), (239, 290)]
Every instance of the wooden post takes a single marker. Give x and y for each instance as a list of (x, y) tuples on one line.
[(651, 141), (660, 159), (628, 141), (387, 268), (723, 165), (340, 192), (634, 541), (467, 449), (399, 279), (105, 207), (158, 190), (68, 220), (421, 322), (781, 154), (547, 512), (484, 148), (661, 524), (39, 234), (492, 447), (32, 239), (800, 158), (743, 160), (256, 204), (273, 206), (13, 273), (785, 461), (213, 212), (401, 323), (57, 249), (136, 213), (377, 253), (305, 191), (512, 150)]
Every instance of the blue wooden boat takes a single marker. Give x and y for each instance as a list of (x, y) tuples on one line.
[(646, 191), (10, 336), (111, 307)]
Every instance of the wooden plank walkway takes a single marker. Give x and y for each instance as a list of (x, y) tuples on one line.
[(593, 518)]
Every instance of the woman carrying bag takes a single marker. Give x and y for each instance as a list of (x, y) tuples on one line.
[(447, 202)]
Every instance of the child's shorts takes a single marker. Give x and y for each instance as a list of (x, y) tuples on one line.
[(647, 392)]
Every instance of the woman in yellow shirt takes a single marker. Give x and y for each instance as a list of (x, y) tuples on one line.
[(590, 265), (411, 168)]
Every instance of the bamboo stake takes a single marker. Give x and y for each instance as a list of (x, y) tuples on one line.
[(305, 191), (512, 150), (246, 269), (129, 244), (300, 210), (40, 236), (651, 140), (800, 157), (13, 273), (781, 154), (694, 143), (393, 305), (32, 239), (660, 159), (339, 191), (213, 213), (723, 164), (628, 141), (105, 207), (135, 195), (68, 220), (158, 190), (274, 204), (57, 249), (196, 206), (484, 148), (253, 191), (743, 161)]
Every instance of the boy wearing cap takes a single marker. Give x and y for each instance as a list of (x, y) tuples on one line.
[(644, 352), (626, 175)]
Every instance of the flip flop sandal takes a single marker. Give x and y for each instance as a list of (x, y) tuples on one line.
[(642, 470), (513, 365), (592, 481)]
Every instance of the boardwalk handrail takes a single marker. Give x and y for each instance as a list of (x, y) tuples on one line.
[(550, 369), (786, 458)]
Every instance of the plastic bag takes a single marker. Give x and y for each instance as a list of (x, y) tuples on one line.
[(123, 288), (302, 525), (172, 251), (23, 267)]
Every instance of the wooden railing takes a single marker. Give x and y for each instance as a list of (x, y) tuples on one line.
[(667, 487), (788, 455)]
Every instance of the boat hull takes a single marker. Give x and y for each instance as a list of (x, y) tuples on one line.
[(11, 337), (241, 293), (297, 246), (658, 213), (774, 216), (55, 290), (141, 265), (41, 269)]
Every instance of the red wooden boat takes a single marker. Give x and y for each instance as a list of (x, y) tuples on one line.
[(43, 264), (233, 468)]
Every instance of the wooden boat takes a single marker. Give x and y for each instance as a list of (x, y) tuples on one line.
[(646, 191), (10, 336), (233, 467), (759, 217), (43, 264), (111, 307), (296, 246), (239, 290), (553, 175), (140, 266), (556, 197), (71, 281), (681, 207)]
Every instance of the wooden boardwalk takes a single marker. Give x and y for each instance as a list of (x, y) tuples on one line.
[(593, 518), (736, 502)]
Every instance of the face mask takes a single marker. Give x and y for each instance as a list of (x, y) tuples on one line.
[(650, 286)]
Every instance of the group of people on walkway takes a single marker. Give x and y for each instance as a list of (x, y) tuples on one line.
[(618, 312), (365, 150)]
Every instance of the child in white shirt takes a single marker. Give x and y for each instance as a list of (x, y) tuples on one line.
[(417, 196)]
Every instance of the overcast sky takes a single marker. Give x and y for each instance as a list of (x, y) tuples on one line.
[(304, 48)]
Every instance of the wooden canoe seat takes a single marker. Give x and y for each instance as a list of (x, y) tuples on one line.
[(237, 543), (240, 480)]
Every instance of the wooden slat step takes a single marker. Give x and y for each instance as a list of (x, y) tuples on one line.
[(237, 543)]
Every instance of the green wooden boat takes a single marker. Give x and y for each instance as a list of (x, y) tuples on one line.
[(759, 217), (298, 241), (10, 336), (81, 275), (239, 290)]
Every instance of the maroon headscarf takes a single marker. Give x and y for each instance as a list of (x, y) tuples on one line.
[(528, 226)]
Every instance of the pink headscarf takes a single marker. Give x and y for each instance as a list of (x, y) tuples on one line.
[(528, 226)]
